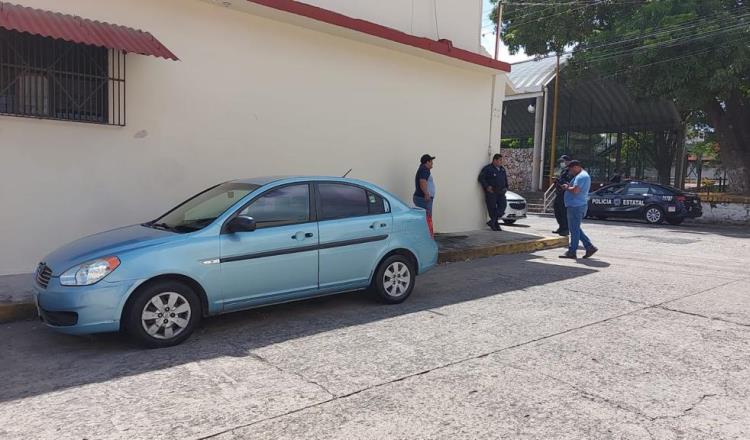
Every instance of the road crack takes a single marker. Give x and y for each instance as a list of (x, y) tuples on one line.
[(457, 362), (713, 318), (292, 372)]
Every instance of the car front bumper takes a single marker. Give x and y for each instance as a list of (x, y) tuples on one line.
[(82, 309), (512, 213)]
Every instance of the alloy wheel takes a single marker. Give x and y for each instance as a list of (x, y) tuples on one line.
[(396, 279), (166, 315), (653, 215)]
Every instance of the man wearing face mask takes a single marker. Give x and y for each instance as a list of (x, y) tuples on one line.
[(561, 213)]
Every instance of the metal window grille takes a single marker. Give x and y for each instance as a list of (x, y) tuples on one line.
[(46, 78)]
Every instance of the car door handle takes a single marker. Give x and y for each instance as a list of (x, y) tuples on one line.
[(376, 225), (300, 235)]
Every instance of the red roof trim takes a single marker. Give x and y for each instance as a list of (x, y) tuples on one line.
[(442, 47), (80, 30)]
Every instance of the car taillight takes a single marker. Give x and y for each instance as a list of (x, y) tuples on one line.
[(681, 199)]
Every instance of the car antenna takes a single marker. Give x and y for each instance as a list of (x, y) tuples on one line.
[(347, 173)]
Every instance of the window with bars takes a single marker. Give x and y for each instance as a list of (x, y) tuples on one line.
[(46, 78)]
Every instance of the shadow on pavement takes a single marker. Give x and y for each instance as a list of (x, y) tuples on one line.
[(732, 231), (37, 361)]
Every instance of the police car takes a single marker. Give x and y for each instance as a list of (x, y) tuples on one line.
[(652, 202)]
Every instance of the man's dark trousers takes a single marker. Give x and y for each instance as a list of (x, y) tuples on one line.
[(561, 213), (496, 204)]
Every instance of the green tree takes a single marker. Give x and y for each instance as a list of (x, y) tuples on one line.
[(694, 52)]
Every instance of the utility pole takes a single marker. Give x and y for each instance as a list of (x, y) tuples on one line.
[(553, 147), (496, 104), (499, 27)]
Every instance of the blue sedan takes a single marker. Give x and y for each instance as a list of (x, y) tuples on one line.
[(238, 245)]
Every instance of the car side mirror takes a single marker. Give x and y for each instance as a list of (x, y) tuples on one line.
[(242, 223)]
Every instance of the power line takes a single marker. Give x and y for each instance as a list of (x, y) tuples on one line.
[(691, 54), (677, 27), (668, 43), (671, 42)]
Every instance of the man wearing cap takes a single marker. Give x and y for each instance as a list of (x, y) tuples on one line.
[(494, 181), (559, 204), (424, 187), (576, 202)]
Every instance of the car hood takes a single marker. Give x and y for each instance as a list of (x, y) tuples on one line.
[(105, 244), (510, 195)]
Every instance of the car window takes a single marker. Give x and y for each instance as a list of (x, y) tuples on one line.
[(376, 203), (638, 189), (202, 209), (341, 201), (613, 189), (661, 191), (287, 205)]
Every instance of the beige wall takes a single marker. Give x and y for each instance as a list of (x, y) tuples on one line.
[(250, 96), (457, 20)]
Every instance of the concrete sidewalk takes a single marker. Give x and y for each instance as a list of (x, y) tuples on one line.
[(16, 302)]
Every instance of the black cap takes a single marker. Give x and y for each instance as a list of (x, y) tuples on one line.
[(575, 163), (426, 158), (565, 157)]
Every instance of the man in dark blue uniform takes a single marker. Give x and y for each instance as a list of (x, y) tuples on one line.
[(561, 213), (494, 181)]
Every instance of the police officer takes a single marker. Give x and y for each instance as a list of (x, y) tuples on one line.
[(494, 181), (561, 213)]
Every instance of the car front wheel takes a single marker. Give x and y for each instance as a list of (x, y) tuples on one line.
[(653, 215), (394, 279), (509, 222), (163, 314)]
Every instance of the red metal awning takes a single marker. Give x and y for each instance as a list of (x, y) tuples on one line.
[(80, 30)]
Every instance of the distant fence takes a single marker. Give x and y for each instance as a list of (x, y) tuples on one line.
[(717, 197), (718, 184)]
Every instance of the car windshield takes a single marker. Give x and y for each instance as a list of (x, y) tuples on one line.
[(202, 209)]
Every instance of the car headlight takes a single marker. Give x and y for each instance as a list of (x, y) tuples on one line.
[(90, 272)]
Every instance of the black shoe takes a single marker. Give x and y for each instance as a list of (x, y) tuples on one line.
[(563, 233), (590, 251), (569, 255), (498, 229), (556, 231)]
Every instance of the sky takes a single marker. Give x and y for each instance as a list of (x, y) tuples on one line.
[(488, 38)]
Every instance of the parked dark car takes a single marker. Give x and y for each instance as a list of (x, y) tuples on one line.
[(652, 202)]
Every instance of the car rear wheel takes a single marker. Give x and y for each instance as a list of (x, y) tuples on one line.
[(509, 222), (394, 279), (675, 221), (163, 314), (653, 215)]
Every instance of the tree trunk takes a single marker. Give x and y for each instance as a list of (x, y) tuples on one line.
[(732, 123), (665, 147)]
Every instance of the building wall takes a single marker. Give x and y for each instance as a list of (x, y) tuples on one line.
[(457, 20), (518, 163), (725, 214), (249, 96)]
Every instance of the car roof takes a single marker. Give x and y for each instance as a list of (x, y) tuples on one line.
[(265, 180)]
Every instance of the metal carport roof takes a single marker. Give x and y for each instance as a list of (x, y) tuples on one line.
[(586, 106)]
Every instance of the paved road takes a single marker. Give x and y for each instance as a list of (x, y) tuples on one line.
[(649, 340)]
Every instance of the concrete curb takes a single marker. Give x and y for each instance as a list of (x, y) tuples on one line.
[(17, 312), (24, 311), (503, 249)]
